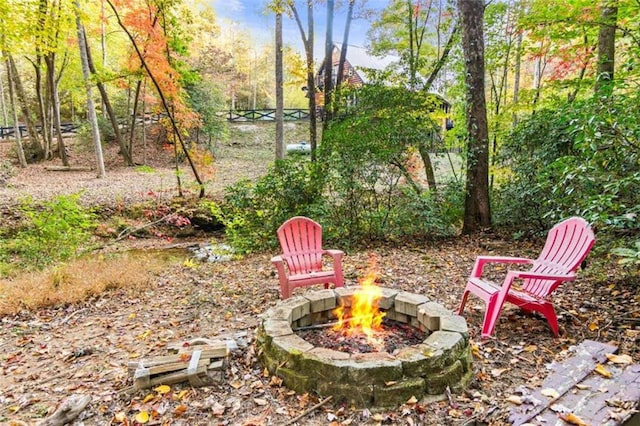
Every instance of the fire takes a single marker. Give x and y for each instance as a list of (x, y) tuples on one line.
[(364, 317)]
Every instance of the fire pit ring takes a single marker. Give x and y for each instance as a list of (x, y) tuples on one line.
[(377, 379)]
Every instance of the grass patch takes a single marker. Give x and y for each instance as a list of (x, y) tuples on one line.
[(77, 281)]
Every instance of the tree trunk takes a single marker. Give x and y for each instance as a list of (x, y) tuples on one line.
[(279, 87), (328, 65), (16, 125), (311, 84), (134, 115), (477, 211), (516, 77), (50, 61), (124, 149), (3, 103), (345, 43), (91, 108), (606, 48), (26, 114), (43, 108)]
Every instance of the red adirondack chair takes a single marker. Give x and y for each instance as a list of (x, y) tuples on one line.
[(567, 245), (301, 242)]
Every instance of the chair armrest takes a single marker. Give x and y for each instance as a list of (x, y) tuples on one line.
[(476, 272), (336, 254), (541, 276)]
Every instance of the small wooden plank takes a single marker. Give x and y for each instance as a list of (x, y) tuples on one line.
[(68, 168), (166, 368), (219, 351), (564, 376)]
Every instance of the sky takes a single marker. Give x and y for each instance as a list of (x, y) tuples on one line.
[(251, 14)]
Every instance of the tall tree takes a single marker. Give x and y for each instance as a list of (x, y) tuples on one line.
[(328, 64), (16, 124), (606, 47), (91, 108), (477, 212), (279, 84), (307, 41)]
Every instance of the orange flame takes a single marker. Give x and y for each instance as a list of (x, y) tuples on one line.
[(364, 317)]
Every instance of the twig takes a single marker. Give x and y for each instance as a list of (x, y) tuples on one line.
[(71, 315), (309, 410), (124, 234)]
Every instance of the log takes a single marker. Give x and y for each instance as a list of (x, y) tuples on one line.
[(67, 411), (68, 168)]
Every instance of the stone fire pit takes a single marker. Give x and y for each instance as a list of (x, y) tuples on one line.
[(379, 379)]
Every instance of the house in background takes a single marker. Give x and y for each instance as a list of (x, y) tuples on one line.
[(357, 64)]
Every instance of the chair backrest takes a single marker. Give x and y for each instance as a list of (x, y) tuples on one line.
[(301, 242), (568, 244)]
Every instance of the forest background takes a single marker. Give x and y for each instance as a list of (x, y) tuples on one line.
[(558, 91)]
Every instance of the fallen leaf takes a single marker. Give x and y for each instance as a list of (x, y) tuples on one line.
[(603, 371), (120, 417), (619, 359), (217, 409), (572, 419), (496, 372), (391, 383), (148, 398), (551, 393), (412, 400), (162, 389), (514, 399), (183, 393), (530, 348), (593, 326), (179, 410), (142, 417), (260, 401), (583, 387)]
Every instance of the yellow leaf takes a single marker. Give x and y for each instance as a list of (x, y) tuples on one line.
[(573, 419), (142, 417), (162, 389), (551, 393), (620, 359), (148, 398), (530, 348), (413, 400), (593, 326), (134, 355), (265, 373), (189, 263), (514, 399), (132, 315), (182, 394), (603, 371)]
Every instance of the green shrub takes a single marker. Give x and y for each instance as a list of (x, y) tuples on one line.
[(252, 212), (53, 231)]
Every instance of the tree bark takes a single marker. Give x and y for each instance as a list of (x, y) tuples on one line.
[(477, 212), (328, 65), (345, 44), (279, 87), (50, 61), (16, 125), (124, 149), (91, 108), (606, 48), (311, 84), (26, 114), (134, 115), (3, 103)]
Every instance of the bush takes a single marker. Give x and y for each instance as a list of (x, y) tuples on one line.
[(52, 232), (252, 212), (577, 159)]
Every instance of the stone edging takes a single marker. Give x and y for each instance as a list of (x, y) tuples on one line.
[(379, 379)]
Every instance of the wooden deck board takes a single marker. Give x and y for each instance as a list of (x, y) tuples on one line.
[(597, 400)]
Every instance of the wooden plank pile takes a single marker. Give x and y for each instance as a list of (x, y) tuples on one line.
[(593, 387), (201, 362)]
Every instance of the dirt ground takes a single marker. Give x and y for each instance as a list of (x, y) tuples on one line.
[(48, 355)]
